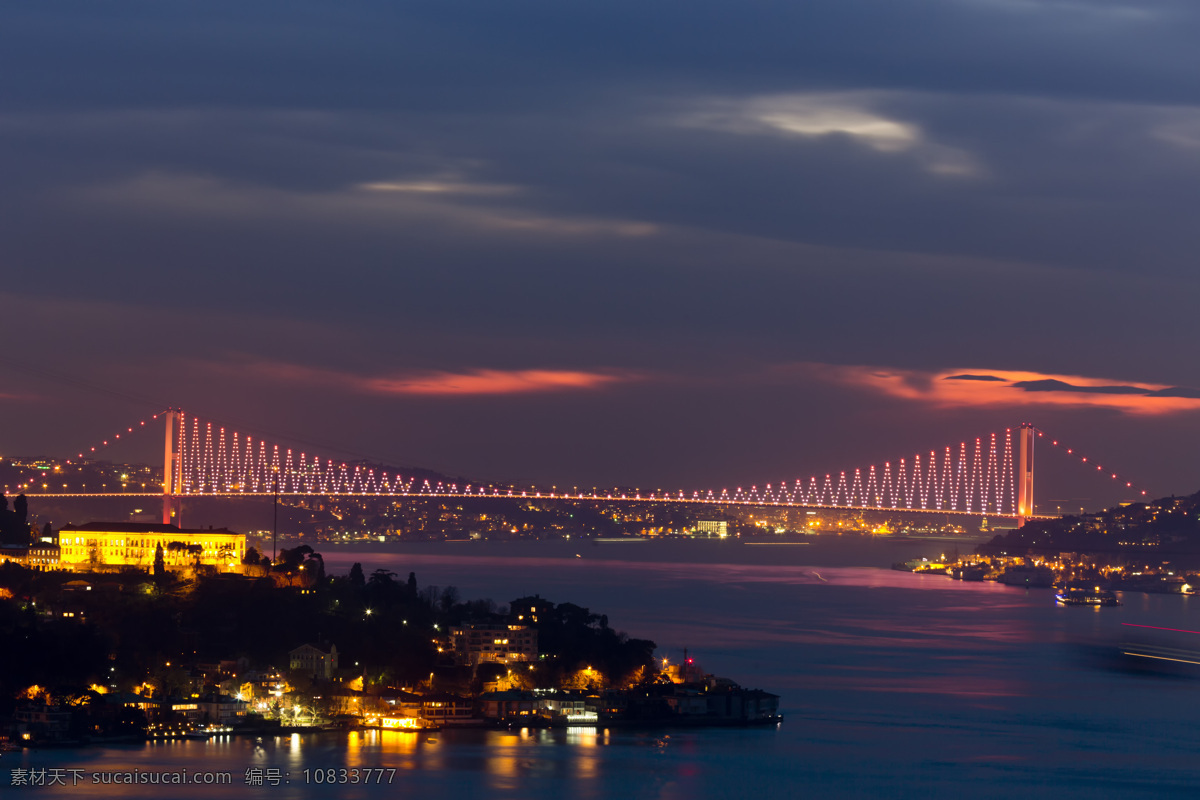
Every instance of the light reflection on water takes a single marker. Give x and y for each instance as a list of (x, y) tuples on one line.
[(893, 685)]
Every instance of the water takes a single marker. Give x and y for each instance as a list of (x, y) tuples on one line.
[(892, 684)]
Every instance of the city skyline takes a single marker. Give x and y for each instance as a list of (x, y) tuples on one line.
[(607, 246)]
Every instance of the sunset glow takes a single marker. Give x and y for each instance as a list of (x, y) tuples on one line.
[(977, 387)]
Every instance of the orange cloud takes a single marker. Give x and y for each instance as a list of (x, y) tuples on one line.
[(991, 387), (492, 381), (438, 383)]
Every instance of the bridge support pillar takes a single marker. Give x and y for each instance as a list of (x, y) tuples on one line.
[(171, 477), (1025, 474)]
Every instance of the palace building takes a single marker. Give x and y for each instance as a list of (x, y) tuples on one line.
[(134, 544)]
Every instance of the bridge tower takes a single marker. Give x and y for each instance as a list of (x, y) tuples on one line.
[(1025, 474), (171, 477)]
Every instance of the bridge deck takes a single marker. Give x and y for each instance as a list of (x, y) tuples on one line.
[(575, 498)]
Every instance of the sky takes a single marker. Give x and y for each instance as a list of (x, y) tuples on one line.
[(679, 245)]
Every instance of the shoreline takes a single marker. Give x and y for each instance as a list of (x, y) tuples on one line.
[(484, 726)]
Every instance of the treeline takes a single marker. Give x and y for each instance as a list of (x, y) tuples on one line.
[(133, 628)]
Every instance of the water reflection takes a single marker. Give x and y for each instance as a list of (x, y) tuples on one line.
[(892, 684), (354, 749), (502, 762), (404, 743), (585, 736), (587, 761)]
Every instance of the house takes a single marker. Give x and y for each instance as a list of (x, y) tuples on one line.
[(448, 710), (499, 643), (313, 660), (509, 705), (529, 610), (569, 708), (221, 709), (41, 723), (405, 704)]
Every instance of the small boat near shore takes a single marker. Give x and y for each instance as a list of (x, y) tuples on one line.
[(1085, 595), (969, 572)]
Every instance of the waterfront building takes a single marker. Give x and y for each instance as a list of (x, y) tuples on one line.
[(176, 707), (567, 707), (401, 703), (39, 722), (448, 710), (509, 705), (717, 528), (498, 643), (221, 709), (135, 544), (393, 722)]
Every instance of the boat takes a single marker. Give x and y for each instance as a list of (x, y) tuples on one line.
[(921, 565), (970, 572), (1076, 594)]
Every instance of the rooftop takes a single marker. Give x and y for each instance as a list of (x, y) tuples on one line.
[(138, 527)]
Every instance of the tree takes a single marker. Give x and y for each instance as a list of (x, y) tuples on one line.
[(319, 560), (252, 558), (412, 584), (382, 579), (160, 562), (14, 529), (449, 598), (290, 560), (356, 575), (21, 509)]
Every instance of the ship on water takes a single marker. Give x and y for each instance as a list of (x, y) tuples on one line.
[(1085, 594)]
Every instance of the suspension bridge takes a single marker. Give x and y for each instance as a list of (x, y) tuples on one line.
[(991, 475)]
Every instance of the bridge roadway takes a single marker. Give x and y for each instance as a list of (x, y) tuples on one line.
[(586, 498)]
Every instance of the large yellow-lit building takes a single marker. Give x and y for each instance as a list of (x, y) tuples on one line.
[(101, 544)]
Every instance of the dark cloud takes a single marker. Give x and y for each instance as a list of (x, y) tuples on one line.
[(1175, 391), (1052, 385), (430, 55), (973, 378)]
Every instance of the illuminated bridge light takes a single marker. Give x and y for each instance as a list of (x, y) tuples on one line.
[(977, 479)]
